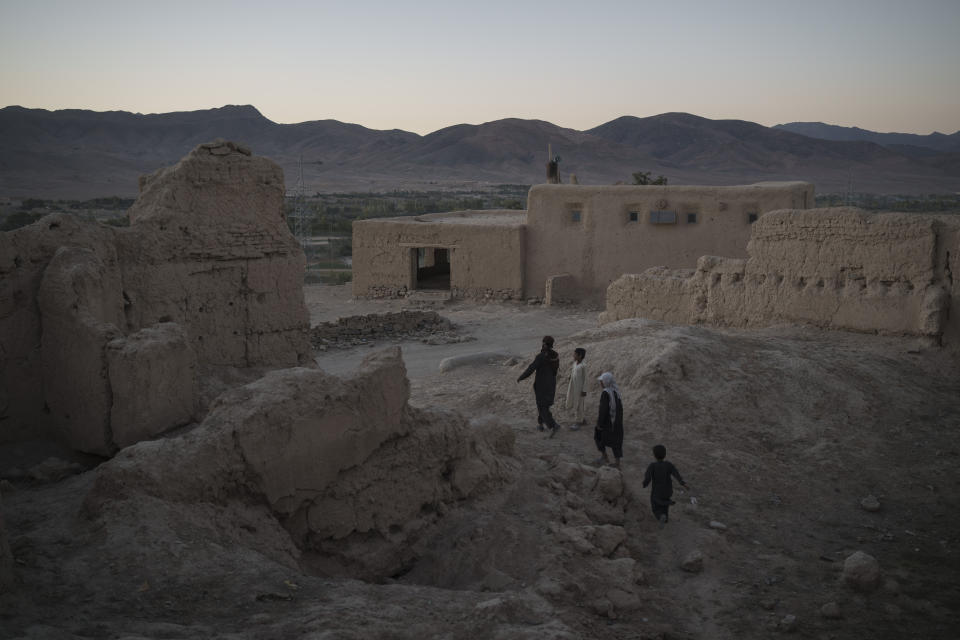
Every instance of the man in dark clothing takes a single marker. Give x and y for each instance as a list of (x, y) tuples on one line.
[(545, 365), (659, 473)]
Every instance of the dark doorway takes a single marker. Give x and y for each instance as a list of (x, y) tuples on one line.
[(433, 268)]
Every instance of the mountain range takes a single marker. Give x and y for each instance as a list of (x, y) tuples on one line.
[(79, 154)]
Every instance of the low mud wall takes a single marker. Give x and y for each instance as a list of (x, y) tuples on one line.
[(838, 268)]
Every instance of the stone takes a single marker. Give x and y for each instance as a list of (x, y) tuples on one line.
[(861, 571), (788, 623), (609, 483), (693, 562), (870, 503), (718, 525), (54, 469), (830, 611), (608, 537), (623, 600)]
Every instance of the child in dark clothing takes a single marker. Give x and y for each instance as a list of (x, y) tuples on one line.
[(659, 473)]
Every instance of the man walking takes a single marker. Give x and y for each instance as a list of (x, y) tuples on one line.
[(545, 365)]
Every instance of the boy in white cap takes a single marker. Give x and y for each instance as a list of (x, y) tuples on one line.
[(576, 389)]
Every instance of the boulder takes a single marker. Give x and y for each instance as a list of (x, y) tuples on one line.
[(861, 571), (693, 562)]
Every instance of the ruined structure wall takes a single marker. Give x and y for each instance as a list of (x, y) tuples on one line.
[(605, 243), (208, 254), (24, 257), (209, 248), (838, 268), (486, 260)]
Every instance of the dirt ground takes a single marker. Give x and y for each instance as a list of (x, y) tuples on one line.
[(780, 433)]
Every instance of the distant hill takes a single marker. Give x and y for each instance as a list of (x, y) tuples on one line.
[(935, 141), (81, 154)]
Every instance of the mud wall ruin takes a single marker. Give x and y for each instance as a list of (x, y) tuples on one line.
[(102, 328), (837, 268), (595, 234), (486, 250), (326, 455)]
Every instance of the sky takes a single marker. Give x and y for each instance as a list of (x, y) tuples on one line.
[(420, 66)]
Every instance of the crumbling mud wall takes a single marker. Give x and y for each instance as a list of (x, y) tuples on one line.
[(210, 249), (839, 268), (327, 455), (102, 329), (486, 250)]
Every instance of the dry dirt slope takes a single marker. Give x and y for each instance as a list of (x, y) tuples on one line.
[(780, 433)]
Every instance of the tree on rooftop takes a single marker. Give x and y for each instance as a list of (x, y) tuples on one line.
[(643, 177)]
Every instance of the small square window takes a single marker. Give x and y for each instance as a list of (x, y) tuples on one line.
[(751, 218), (691, 218), (634, 216), (575, 216)]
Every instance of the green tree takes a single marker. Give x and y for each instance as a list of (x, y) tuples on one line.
[(643, 177)]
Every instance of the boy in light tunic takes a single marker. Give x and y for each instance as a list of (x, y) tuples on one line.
[(576, 393)]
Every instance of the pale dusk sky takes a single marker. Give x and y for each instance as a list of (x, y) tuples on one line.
[(420, 66)]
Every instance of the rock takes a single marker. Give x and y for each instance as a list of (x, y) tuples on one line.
[(693, 562), (870, 503), (570, 473), (769, 604), (788, 623), (602, 607), (861, 571), (830, 611), (891, 586), (608, 537), (53, 469), (718, 525), (623, 600), (609, 483)]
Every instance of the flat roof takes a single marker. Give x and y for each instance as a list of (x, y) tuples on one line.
[(479, 218)]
